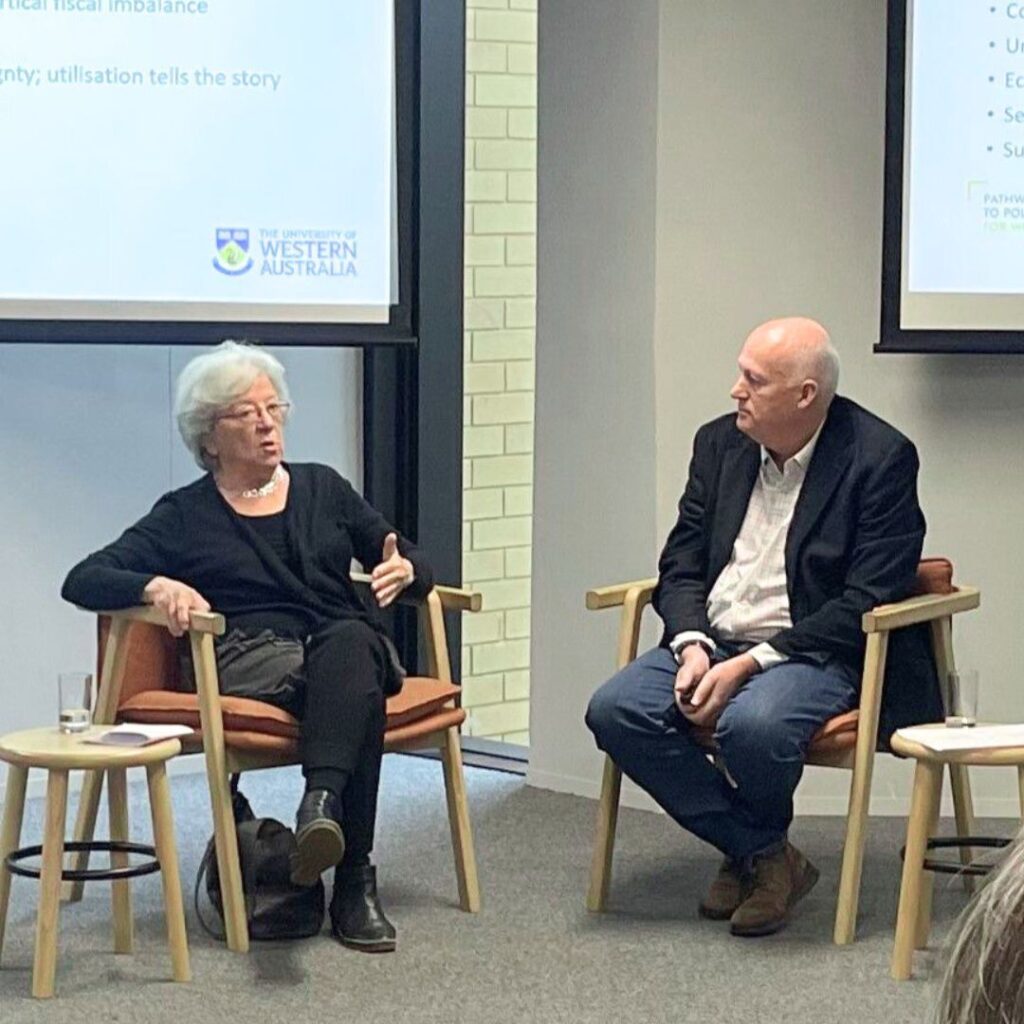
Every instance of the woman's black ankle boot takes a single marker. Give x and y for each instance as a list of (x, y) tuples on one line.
[(357, 919)]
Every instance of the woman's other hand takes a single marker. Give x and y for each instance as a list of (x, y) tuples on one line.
[(392, 575), (176, 600)]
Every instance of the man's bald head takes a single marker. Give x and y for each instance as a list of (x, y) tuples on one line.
[(801, 349), (789, 372)]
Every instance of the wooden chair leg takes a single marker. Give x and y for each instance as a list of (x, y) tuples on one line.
[(604, 840), (1020, 789), (10, 835), (44, 967), (853, 851), (85, 828), (121, 893), (963, 809), (229, 867), (458, 820), (167, 854), (860, 788), (927, 788)]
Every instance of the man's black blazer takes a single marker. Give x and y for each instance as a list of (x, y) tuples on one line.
[(854, 542)]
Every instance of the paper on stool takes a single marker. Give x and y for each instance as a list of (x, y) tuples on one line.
[(978, 737)]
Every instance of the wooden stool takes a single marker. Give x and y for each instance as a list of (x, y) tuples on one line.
[(913, 920), (59, 753)]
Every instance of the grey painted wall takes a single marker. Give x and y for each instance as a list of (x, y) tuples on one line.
[(87, 444), (594, 476), (770, 120)]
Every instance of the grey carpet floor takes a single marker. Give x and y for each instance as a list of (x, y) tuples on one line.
[(532, 954)]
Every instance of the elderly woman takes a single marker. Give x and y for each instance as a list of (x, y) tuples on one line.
[(269, 544)]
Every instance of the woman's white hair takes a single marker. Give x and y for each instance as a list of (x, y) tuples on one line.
[(983, 982), (211, 382)]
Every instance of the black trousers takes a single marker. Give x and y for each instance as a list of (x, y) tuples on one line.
[(333, 682)]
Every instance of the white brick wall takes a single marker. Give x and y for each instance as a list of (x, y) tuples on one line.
[(501, 247)]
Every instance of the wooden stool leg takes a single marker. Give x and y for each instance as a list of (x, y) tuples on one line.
[(923, 922), (85, 827), (10, 833), (458, 820), (963, 809), (44, 967), (167, 854), (927, 788), (604, 840), (121, 894)]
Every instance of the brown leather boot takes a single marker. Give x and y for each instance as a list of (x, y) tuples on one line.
[(779, 882), (727, 892)]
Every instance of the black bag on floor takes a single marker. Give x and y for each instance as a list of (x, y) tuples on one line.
[(274, 907)]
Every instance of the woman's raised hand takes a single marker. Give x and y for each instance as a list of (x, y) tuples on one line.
[(392, 575), (176, 600)]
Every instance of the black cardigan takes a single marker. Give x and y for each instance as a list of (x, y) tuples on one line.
[(193, 535)]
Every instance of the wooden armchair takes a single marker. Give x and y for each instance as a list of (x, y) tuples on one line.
[(139, 682), (847, 741)]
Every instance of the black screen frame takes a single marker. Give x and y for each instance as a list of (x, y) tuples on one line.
[(401, 328), (894, 337)]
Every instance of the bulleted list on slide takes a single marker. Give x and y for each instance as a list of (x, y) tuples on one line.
[(198, 151), (964, 147)]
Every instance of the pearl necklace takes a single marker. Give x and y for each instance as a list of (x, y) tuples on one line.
[(264, 489)]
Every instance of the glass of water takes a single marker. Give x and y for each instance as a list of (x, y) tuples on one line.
[(75, 694), (963, 698)]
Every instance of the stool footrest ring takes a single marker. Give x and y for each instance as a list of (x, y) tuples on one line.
[(944, 867), (88, 874)]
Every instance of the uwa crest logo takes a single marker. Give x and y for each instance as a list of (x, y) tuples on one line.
[(232, 251)]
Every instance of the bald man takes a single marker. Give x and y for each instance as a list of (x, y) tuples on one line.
[(800, 513)]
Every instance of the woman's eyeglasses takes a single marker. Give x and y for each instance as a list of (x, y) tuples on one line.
[(250, 413)]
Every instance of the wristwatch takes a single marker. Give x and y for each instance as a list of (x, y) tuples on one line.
[(677, 649)]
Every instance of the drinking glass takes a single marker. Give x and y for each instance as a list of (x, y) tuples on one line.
[(963, 698), (75, 693)]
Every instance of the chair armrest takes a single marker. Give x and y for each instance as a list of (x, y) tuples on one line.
[(452, 598), (199, 622), (459, 599), (203, 627), (615, 595), (926, 608), (633, 598), (431, 614)]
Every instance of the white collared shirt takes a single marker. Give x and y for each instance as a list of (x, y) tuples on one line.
[(749, 602)]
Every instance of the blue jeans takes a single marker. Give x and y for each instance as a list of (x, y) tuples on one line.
[(744, 805)]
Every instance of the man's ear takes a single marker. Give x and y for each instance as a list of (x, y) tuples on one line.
[(808, 393)]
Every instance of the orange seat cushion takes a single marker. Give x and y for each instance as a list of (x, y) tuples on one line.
[(401, 737), (837, 734), (420, 698)]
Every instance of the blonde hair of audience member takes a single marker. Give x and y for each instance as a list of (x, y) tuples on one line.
[(983, 981)]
